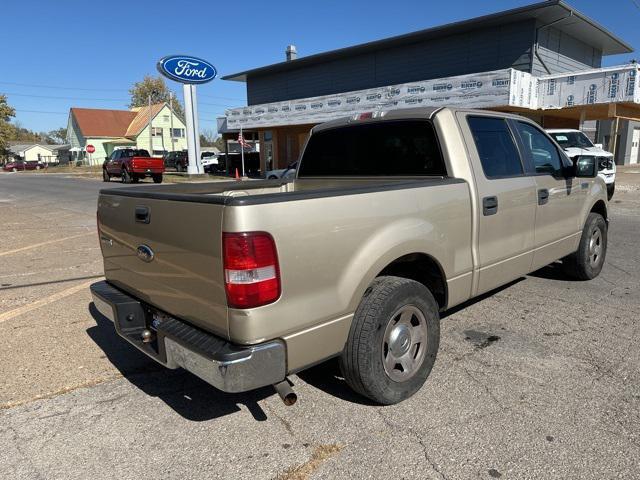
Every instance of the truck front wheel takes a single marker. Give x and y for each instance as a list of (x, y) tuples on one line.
[(393, 341), (586, 262)]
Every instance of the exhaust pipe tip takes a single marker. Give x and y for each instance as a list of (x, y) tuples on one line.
[(287, 395)]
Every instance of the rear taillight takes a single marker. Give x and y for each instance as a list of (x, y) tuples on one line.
[(251, 272)]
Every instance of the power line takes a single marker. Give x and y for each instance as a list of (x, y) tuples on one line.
[(67, 98), (41, 111), (62, 88), (235, 99)]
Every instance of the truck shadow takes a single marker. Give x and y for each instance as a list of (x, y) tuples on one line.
[(553, 271), (328, 378), (186, 394)]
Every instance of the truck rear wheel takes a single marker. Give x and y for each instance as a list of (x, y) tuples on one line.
[(157, 178), (126, 176), (393, 341), (586, 262)]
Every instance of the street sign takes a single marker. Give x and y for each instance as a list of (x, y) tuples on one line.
[(186, 69), (91, 149)]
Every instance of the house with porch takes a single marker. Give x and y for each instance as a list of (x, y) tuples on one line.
[(155, 128)]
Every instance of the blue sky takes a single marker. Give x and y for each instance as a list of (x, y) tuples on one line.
[(90, 53)]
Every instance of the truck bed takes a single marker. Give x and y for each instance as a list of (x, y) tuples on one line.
[(320, 226), (236, 193)]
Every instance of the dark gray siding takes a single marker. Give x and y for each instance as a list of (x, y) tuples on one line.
[(563, 53), (476, 51)]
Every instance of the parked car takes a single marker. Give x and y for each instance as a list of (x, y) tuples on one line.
[(178, 160), (18, 165), (390, 220), (289, 172), (576, 143), (131, 165), (210, 162)]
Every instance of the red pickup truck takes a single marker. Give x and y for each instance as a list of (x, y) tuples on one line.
[(130, 165)]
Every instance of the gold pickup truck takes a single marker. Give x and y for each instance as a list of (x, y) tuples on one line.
[(392, 218)]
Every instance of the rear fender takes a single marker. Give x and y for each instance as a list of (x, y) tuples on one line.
[(395, 240)]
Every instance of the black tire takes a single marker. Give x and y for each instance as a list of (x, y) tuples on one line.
[(610, 189), (126, 176), (586, 262), (363, 359), (178, 167), (105, 176), (157, 178)]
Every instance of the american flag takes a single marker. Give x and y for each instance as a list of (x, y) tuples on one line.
[(242, 141)]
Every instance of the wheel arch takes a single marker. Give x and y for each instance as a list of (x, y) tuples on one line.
[(600, 208), (422, 268)]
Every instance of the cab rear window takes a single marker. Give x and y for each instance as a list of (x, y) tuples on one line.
[(388, 148)]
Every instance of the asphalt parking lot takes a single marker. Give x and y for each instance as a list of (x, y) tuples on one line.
[(540, 379)]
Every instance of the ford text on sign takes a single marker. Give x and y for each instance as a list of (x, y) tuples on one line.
[(185, 69)]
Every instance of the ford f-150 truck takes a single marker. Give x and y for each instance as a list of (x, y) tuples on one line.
[(392, 218), (131, 165)]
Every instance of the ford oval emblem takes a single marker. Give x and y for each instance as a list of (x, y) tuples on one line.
[(186, 69), (145, 253)]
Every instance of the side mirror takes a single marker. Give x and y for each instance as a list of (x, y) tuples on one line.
[(598, 145), (586, 166)]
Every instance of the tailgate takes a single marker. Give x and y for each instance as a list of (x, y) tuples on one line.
[(184, 277), (143, 163)]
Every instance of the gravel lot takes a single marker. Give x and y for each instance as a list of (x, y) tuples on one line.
[(540, 379)]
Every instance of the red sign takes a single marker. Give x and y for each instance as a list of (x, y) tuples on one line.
[(91, 148)]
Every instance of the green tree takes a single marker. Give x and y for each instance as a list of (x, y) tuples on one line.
[(207, 138), (59, 135), (156, 88), (6, 129)]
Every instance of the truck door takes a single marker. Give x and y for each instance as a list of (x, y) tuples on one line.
[(560, 197), (506, 201)]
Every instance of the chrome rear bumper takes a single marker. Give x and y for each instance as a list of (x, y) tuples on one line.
[(226, 366)]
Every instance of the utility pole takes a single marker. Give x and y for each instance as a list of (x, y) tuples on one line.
[(171, 119), (150, 135)]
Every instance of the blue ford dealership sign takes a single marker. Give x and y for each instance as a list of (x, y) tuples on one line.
[(185, 69)]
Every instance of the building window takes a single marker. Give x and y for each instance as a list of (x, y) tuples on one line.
[(177, 132), (165, 118), (571, 80), (156, 132)]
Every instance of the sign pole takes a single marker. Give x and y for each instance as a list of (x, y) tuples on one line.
[(242, 151), (193, 139)]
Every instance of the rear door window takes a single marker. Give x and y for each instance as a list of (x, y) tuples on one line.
[(496, 147), (387, 148)]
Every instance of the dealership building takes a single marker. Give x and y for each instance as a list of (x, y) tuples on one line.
[(543, 61)]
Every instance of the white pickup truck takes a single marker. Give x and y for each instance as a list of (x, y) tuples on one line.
[(576, 143)]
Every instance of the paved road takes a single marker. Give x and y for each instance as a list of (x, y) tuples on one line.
[(540, 379)]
